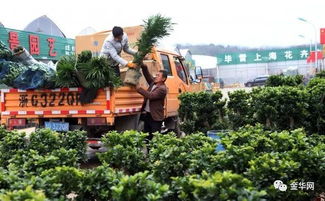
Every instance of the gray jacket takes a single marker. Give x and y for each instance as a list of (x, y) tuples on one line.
[(112, 49)]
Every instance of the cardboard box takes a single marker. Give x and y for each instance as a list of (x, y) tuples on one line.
[(94, 42)]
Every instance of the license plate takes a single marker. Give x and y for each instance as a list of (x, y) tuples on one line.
[(57, 126)]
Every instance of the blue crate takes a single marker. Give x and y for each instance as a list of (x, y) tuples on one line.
[(215, 134)]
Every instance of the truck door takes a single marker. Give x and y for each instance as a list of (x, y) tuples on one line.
[(177, 82), (171, 102), (182, 76)]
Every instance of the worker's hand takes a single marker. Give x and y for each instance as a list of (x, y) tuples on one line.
[(131, 65), (147, 57)]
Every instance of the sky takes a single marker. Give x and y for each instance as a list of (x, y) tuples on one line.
[(250, 23)]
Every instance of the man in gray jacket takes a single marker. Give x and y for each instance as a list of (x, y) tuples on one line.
[(113, 46)]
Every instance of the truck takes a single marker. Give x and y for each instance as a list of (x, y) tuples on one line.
[(113, 108)]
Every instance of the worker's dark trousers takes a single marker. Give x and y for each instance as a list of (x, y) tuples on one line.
[(117, 70), (151, 126)]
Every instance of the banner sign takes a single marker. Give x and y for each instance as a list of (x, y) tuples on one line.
[(40, 46), (263, 56)]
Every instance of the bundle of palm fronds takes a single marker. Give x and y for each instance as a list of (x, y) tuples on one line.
[(65, 70), (98, 73), (91, 73), (85, 71), (155, 27)]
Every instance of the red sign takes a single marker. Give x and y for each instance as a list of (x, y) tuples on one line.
[(34, 45), (312, 55), (51, 45), (322, 36), (17, 122), (13, 40)]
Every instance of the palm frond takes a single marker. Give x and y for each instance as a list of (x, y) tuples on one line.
[(66, 72), (155, 27), (98, 73), (84, 56)]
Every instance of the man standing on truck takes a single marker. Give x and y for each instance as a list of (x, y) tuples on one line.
[(113, 46), (154, 100)]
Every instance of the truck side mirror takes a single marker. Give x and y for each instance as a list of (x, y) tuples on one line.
[(181, 58), (192, 80)]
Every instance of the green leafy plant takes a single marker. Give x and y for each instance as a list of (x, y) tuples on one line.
[(316, 119), (66, 179), (10, 71), (140, 187), (239, 108), (44, 141), (265, 168), (125, 151), (268, 166), (312, 164), (185, 168), (23, 195), (10, 145), (98, 182), (32, 162), (4, 180), (217, 186), (43, 149), (280, 107), (281, 80), (203, 111), (75, 140), (3, 132), (170, 156), (5, 52), (264, 156), (320, 74)]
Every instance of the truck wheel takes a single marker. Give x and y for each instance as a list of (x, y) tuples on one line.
[(140, 126), (178, 127), (172, 124), (129, 122), (77, 127)]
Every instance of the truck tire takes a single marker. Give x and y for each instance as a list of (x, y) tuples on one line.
[(76, 127), (129, 122), (140, 126), (172, 124)]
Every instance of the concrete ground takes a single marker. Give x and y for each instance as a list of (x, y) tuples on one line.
[(226, 90)]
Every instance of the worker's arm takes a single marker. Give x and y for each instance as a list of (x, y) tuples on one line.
[(146, 74), (108, 49), (126, 47), (159, 93)]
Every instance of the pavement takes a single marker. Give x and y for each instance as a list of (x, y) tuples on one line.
[(226, 90)]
